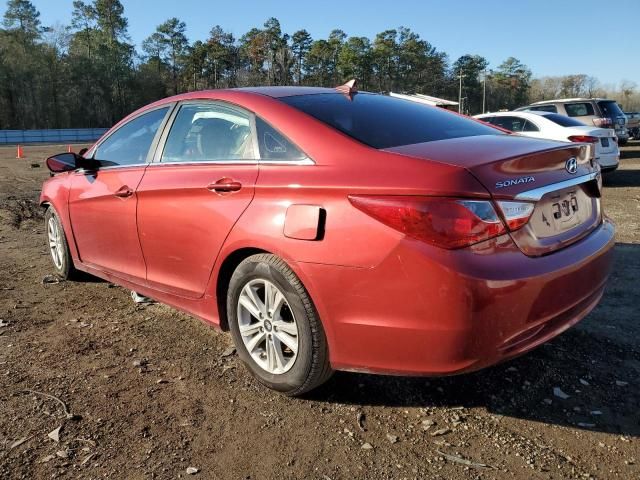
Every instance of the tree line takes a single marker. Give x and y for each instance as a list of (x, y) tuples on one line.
[(89, 74)]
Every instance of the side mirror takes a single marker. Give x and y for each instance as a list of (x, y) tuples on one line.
[(63, 162), (66, 162)]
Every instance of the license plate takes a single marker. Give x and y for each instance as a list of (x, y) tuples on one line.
[(565, 212), (604, 141), (560, 211)]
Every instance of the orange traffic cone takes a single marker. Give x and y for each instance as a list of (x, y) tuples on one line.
[(19, 154), (68, 148)]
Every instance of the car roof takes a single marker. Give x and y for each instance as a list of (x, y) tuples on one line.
[(288, 91), (236, 94), (511, 113), (577, 99), (243, 92)]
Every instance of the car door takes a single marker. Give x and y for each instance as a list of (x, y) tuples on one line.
[(201, 180), (102, 202)]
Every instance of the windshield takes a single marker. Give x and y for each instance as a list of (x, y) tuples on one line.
[(563, 121), (384, 122)]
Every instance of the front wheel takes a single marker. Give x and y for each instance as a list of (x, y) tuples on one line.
[(275, 327), (58, 247)]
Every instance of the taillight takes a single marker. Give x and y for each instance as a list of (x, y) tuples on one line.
[(444, 222), (584, 139), (602, 122), (516, 214)]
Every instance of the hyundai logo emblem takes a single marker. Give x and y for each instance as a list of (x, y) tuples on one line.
[(571, 165)]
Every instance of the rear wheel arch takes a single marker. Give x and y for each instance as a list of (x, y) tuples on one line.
[(227, 268)]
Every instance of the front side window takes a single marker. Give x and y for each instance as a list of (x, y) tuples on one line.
[(385, 122), (129, 144), (209, 132), (275, 146), (579, 109)]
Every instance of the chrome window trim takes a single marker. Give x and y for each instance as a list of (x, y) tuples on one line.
[(132, 165), (84, 171), (537, 193), (304, 162)]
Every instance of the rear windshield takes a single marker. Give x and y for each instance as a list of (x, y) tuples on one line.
[(562, 120), (384, 122), (610, 108)]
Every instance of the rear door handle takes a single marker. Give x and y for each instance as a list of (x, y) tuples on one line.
[(224, 185), (124, 192)]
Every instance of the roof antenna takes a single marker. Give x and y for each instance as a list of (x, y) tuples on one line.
[(349, 89)]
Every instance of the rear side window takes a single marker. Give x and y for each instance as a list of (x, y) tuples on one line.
[(129, 144), (563, 120), (209, 132), (384, 122), (579, 109), (275, 146), (544, 108), (530, 127)]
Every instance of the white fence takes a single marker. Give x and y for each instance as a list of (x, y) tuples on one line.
[(63, 136)]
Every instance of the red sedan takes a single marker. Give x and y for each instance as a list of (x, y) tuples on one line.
[(337, 230)]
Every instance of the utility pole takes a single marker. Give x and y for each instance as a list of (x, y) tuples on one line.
[(484, 90), (460, 92)]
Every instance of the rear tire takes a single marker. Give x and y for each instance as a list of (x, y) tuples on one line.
[(279, 324), (58, 246)]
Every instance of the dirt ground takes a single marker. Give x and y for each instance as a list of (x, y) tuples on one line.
[(148, 392)]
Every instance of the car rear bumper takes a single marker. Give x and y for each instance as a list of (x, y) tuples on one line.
[(609, 161), (426, 311)]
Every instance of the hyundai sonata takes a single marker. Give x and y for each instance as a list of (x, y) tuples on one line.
[(337, 230)]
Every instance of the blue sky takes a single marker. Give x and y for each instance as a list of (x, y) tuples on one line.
[(552, 37)]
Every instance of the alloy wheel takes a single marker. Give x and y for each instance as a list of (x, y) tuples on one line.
[(267, 326), (55, 243)]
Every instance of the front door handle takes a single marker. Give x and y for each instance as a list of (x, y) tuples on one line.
[(224, 185), (124, 192)]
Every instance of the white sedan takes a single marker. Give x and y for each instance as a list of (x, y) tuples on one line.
[(558, 127)]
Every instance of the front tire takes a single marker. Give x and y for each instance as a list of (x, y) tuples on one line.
[(58, 246), (275, 327)]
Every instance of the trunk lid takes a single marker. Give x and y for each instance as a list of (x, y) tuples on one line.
[(607, 142), (560, 179)]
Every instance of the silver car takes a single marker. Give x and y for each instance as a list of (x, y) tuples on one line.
[(599, 112)]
